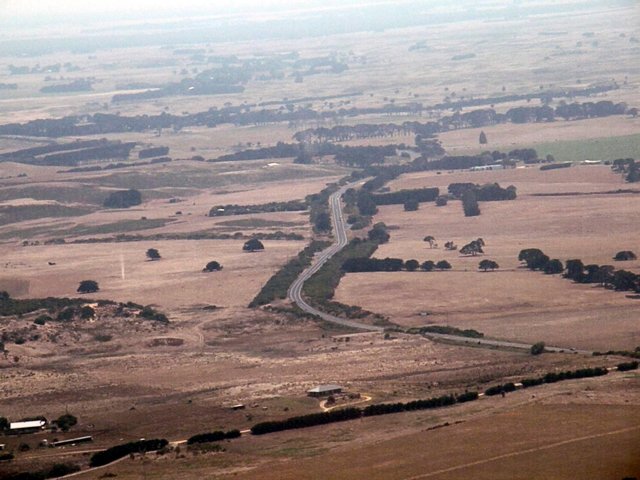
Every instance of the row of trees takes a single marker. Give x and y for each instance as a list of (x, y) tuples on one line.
[(363, 264), (289, 206), (216, 436), (278, 285), (574, 269)]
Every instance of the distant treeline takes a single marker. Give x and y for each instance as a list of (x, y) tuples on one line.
[(214, 81), (303, 154), (115, 166), (289, 206), (80, 85), (473, 119), (70, 154), (100, 123), (153, 152), (8, 86)]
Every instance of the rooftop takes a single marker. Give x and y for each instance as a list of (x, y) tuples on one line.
[(324, 388), (29, 424)]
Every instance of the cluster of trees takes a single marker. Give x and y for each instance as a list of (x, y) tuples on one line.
[(500, 389), (605, 275), (88, 286), (280, 150), (364, 264), (288, 206), (216, 436), (57, 470), (69, 153), (221, 80), (319, 209), (79, 85), (489, 192), (123, 199), (535, 259), (278, 285), (473, 248), (153, 152), (115, 166), (119, 451), (400, 197), (447, 330)]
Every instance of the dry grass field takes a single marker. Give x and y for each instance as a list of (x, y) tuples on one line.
[(511, 302), (587, 429)]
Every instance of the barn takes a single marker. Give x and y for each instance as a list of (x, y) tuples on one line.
[(324, 390)]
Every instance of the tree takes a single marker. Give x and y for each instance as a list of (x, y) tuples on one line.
[(575, 270), (66, 421), (88, 286), (470, 203), (4, 424), (322, 222), (483, 138), (443, 265), (379, 233), (430, 239), (553, 267), (428, 266), (123, 199), (212, 266), (534, 258), (488, 265), (253, 245), (537, 348), (473, 248), (441, 201), (624, 256), (87, 312), (411, 205), (450, 246), (153, 254), (411, 265)]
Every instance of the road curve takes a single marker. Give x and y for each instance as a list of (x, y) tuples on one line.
[(341, 240)]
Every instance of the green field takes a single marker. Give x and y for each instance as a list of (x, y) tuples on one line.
[(607, 148)]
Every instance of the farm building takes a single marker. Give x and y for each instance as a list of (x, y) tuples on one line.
[(324, 390), (32, 426), (481, 168)]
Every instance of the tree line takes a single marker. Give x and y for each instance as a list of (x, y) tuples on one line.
[(606, 275), (278, 285), (366, 264)]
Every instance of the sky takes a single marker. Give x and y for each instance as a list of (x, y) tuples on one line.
[(39, 8)]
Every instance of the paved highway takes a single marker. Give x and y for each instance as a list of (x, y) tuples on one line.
[(341, 240), (487, 342)]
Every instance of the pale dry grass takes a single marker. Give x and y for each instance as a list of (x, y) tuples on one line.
[(511, 303), (174, 281)]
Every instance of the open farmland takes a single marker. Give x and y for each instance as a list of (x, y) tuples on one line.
[(512, 302), (111, 127), (578, 140)]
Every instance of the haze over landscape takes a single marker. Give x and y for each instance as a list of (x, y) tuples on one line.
[(319, 239)]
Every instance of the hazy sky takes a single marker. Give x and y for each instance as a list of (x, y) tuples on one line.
[(26, 8)]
